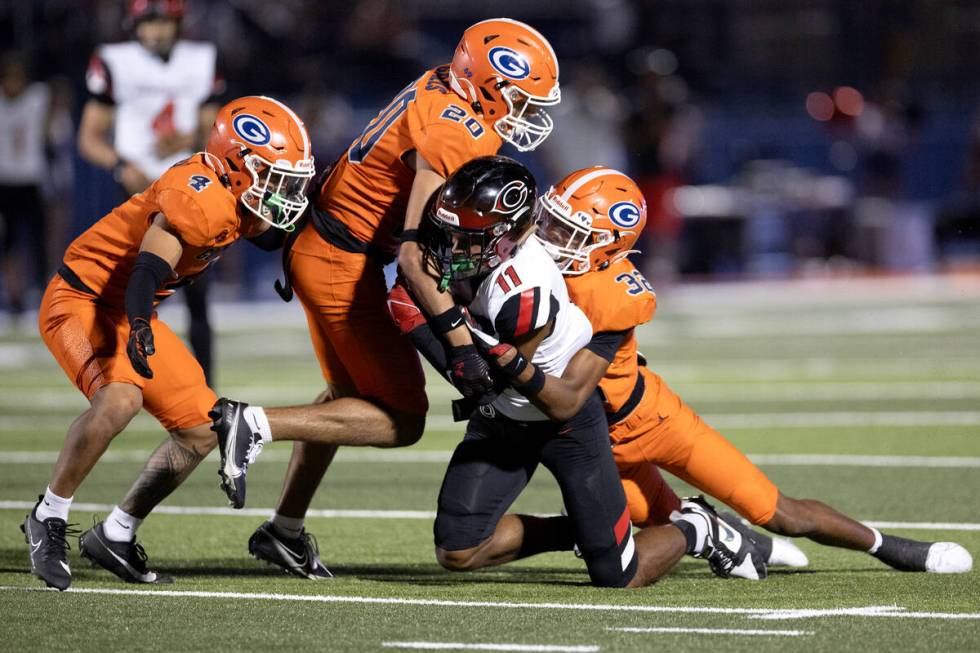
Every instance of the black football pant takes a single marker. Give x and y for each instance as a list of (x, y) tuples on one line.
[(496, 460)]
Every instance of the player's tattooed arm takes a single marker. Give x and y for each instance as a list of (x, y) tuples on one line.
[(165, 470)]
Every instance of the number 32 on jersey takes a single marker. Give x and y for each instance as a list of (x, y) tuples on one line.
[(635, 282)]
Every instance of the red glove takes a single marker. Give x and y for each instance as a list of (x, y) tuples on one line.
[(406, 314)]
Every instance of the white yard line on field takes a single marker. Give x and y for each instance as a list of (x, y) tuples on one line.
[(487, 646), (715, 631), (221, 511), (394, 456), (852, 419), (775, 613), (14, 401)]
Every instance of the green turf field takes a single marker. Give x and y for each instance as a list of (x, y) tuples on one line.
[(865, 395)]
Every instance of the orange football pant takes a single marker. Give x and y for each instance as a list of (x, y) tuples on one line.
[(664, 431), (357, 343), (89, 342)]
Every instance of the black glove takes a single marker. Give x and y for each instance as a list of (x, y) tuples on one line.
[(469, 372), (140, 346)]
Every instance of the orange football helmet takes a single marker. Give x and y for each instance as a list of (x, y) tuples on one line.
[(262, 150), (590, 219), (507, 71)]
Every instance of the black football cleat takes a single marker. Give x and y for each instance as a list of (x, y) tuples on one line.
[(729, 554), (238, 445), (298, 556), (933, 557), (125, 559), (47, 545)]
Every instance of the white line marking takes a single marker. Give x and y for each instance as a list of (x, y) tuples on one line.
[(790, 613), (721, 420), (461, 646), (404, 514), (716, 631), (848, 419), (872, 611), (244, 512), (836, 460), (391, 456)]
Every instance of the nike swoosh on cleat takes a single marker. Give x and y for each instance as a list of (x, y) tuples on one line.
[(125, 564), (298, 562), (231, 469), (65, 565)]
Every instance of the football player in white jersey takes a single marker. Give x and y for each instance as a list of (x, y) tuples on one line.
[(476, 240), (152, 101)]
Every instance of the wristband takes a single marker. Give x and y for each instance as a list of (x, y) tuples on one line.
[(447, 321), (534, 385), (410, 236)]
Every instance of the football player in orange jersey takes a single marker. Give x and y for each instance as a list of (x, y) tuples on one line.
[(501, 77), (97, 318), (589, 222)]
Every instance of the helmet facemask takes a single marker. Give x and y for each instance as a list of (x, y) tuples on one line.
[(278, 192), (526, 124), (566, 235), (456, 254)]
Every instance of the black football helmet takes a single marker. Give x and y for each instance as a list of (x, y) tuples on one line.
[(477, 220)]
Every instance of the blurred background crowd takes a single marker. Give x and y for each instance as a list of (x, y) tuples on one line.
[(771, 137)]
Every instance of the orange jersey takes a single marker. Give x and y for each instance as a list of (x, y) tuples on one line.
[(368, 189), (199, 209), (615, 299)]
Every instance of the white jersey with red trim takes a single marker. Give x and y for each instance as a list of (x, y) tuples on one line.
[(521, 295), (153, 97)]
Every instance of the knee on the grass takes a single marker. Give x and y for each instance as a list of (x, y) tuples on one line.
[(459, 560), (606, 569)]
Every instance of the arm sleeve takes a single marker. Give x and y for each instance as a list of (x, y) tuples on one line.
[(98, 80), (607, 343), (524, 312), (149, 273)]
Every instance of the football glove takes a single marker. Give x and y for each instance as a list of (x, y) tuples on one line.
[(140, 346), (469, 372)]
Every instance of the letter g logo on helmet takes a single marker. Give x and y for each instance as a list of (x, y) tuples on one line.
[(509, 63), (624, 214), (251, 129)]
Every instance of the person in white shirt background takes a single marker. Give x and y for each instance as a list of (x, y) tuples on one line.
[(152, 101), (24, 110)]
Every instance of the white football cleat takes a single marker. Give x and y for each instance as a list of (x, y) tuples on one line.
[(948, 558), (785, 553)]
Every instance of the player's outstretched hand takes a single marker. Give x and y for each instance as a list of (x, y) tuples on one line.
[(140, 346), (470, 373)]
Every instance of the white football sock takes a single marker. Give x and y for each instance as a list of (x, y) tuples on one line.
[(258, 422), (291, 527), (120, 526), (698, 522), (874, 548), (53, 506)]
